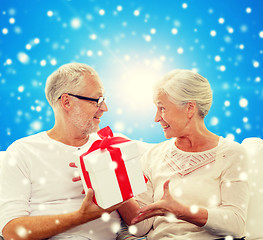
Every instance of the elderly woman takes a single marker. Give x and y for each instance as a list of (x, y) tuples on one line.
[(197, 185)]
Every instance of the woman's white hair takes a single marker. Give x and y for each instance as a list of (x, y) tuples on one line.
[(66, 79), (182, 86)]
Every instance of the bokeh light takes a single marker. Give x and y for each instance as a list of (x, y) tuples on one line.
[(131, 44)]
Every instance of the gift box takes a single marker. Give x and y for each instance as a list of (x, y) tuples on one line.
[(111, 167)]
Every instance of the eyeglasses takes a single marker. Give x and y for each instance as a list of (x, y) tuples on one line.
[(99, 100)]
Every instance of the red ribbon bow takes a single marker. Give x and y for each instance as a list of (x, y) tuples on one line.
[(121, 173)]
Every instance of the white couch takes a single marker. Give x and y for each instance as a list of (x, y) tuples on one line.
[(2, 153), (254, 148), (254, 229)]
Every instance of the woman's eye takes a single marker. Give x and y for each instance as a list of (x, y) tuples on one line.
[(162, 109)]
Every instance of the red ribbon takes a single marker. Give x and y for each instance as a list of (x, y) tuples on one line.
[(121, 173)]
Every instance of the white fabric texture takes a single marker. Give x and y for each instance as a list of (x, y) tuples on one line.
[(2, 155), (215, 179), (254, 148), (35, 179)]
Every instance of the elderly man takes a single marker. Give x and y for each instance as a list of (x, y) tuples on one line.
[(38, 198)]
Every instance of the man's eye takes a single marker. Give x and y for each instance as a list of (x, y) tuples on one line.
[(162, 109)]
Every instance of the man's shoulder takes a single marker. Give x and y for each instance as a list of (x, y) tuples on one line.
[(39, 135), (28, 139)]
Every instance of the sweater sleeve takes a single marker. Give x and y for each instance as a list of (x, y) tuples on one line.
[(229, 217), (15, 187), (145, 198)]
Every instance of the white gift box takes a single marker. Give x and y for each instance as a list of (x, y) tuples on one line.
[(103, 178)]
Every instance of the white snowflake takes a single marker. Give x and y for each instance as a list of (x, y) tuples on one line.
[(22, 232), (75, 23), (194, 209), (243, 102), (105, 217), (132, 229), (170, 217)]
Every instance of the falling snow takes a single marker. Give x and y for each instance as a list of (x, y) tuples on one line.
[(132, 229), (23, 57), (243, 102), (115, 227), (194, 209), (170, 217), (21, 232), (105, 217), (75, 23), (131, 45)]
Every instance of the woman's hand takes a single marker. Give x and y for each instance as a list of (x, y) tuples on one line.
[(166, 205)]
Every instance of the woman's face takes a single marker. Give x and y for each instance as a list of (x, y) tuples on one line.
[(172, 118)]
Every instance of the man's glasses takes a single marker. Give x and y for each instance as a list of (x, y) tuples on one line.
[(99, 100)]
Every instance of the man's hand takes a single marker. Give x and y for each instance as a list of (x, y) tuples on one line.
[(90, 211), (42, 227), (88, 204)]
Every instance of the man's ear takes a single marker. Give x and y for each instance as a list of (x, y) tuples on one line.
[(65, 102), (191, 108)]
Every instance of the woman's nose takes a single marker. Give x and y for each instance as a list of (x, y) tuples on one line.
[(157, 117)]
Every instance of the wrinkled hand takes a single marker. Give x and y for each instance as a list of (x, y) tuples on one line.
[(76, 179), (167, 204), (90, 211), (88, 206)]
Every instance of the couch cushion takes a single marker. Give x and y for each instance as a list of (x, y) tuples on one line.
[(2, 153), (254, 148), (124, 234)]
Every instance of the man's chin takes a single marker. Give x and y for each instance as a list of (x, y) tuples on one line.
[(91, 129), (94, 129)]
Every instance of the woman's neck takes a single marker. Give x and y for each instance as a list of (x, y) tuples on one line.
[(198, 139)]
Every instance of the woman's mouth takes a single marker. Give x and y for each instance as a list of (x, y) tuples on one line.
[(165, 127)]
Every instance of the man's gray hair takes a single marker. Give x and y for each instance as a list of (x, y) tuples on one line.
[(66, 79), (182, 86)]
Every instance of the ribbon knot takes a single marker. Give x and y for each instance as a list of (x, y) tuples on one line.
[(105, 132), (107, 140), (105, 143)]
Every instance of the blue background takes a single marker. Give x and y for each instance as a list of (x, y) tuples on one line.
[(131, 44)]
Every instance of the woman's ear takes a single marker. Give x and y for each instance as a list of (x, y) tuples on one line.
[(191, 108)]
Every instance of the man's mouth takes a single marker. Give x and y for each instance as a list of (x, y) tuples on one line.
[(165, 126), (97, 117)]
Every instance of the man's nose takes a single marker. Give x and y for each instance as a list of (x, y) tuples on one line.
[(104, 107)]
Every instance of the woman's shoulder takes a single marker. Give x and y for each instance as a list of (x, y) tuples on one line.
[(231, 149), (158, 149), (152, 157), (230, 145), (162, 145)]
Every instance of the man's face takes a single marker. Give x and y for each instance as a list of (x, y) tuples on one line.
[(85, 115)]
